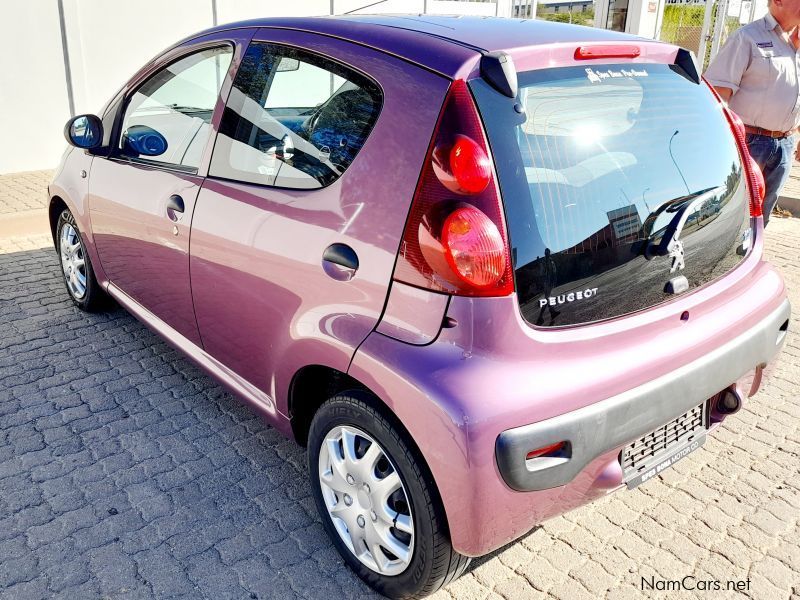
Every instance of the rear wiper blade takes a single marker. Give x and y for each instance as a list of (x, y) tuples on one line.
[(670, 243)]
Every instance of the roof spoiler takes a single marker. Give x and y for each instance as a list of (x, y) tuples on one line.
[(498, 70), (687, 62)]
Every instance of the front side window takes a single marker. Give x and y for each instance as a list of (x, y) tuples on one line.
[(293, 119), (168, 119)]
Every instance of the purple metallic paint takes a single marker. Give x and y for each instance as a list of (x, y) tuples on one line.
[(494, 372), (73, 190), (263, 303), (413, 315), (264, 309), (135, 241)]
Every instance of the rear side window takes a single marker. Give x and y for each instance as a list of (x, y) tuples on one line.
[(293, 119), (597, 166)]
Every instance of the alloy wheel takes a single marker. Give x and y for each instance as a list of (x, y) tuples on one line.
[(73, 262)]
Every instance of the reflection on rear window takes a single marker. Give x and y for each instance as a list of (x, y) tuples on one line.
[(593, 172)]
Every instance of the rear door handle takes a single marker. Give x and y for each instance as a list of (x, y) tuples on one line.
[(340, 262), (175, 207)]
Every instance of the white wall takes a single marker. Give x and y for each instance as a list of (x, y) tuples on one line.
[(444, 7), (33, 92), (240, 10), (643, 17), (108, 41)]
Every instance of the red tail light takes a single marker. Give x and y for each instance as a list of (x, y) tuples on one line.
[(474, 248), (755, 178), (470, 165), (759, 188), (455, 239)]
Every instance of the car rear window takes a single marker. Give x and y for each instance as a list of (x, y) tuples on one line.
[(597, 167)]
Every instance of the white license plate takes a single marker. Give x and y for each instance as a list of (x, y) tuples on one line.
[(667, 460)]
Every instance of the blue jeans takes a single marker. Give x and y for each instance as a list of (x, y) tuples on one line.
[(774, 156)]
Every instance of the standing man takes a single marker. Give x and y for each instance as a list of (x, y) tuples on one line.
[(757, 73)]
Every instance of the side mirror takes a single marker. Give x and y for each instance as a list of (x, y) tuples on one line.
[(84, 131), (141, 140)]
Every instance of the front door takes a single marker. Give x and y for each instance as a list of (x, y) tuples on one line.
[(142, 196)]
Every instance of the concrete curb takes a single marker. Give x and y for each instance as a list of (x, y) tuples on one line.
[(24, 223), (791, 204)]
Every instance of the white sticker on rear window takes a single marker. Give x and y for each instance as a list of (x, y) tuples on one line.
[(598, 76)]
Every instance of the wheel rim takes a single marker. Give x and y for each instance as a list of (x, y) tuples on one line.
[(73, 262), (366, 500)]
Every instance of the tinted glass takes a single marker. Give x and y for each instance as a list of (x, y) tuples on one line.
[(293, 119), (602, 165), (168, 119)]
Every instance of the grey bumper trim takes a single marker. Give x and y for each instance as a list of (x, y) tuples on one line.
[(608, 424)]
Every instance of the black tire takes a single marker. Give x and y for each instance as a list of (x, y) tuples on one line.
[(434, 562), (94, 299)]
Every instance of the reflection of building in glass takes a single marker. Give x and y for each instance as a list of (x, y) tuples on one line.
[(617, 15), (625, 223), (624, 227)]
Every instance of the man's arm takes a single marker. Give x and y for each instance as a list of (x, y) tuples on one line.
[(724, 92), (726, 70)]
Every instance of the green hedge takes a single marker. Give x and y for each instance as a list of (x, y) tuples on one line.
[(576, 18)]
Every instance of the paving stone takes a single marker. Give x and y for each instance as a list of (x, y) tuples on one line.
[(126, 473)]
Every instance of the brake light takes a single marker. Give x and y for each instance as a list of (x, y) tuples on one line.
[(470, 165), (455, 238), (755, 178), (607, 51)]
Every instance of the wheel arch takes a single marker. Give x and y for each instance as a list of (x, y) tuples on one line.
[(312, 385), (56, 206)]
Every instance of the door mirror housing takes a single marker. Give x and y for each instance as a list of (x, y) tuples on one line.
[(84, 131), (141, 140)]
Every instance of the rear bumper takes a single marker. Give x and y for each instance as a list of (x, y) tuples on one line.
[(603, 426), (491, 377)]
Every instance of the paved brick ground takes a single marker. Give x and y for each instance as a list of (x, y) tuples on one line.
[(23, 191), (127, 473)]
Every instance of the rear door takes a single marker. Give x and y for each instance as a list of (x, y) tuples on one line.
[(143, 194), (297, 226)]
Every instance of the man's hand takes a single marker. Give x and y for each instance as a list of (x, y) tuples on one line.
[(797, 151)]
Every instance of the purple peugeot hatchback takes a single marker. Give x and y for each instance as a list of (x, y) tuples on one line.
[(487, 270)]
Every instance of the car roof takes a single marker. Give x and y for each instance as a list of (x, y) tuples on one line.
[(440, 43)]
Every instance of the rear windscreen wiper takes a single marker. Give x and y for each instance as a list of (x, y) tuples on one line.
[(670, 243)]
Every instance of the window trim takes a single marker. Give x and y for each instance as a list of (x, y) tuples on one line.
[(115, 152), (317, 56)]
